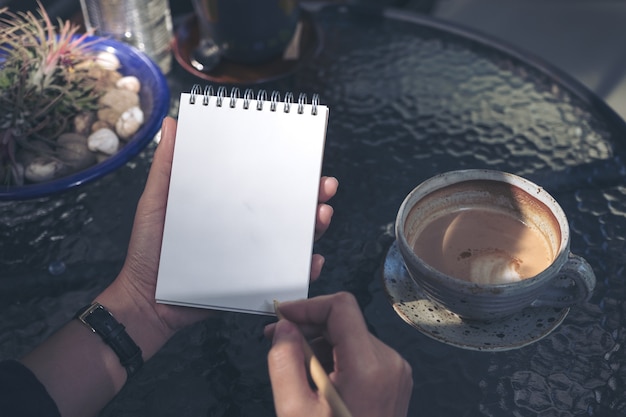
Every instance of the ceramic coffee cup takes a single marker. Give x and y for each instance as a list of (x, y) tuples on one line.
[(488, 244), (246, 31)]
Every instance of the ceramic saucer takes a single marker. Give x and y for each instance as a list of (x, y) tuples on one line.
[(412, 305)]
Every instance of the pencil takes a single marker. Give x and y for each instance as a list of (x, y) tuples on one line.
[(319, 376)]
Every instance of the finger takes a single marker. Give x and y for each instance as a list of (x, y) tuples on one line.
[(290, 386), (150, 213), (323, 218), (158, 182), (317, 263), (308, 331), (340, 313), (323, 352), (328, 188)]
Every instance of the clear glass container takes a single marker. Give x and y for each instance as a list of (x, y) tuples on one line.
[(145, 24)]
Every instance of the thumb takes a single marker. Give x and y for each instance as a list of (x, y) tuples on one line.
[(292, 394)]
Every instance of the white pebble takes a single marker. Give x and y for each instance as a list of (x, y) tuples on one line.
[(42, 168), (130, 83), (129, 122), (107, 61), (103, 140)]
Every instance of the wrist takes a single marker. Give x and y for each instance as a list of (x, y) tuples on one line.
[(138, 315), (100, 321)]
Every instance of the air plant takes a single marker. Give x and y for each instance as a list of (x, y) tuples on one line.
[(43, 85)]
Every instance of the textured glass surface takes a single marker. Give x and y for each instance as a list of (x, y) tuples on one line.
[(408, 99)]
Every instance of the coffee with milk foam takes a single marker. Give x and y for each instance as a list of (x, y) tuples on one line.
[(484, 244)]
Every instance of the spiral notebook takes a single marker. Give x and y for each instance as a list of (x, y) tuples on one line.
[(242, 201)]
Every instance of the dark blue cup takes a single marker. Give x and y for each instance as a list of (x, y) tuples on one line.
[(248, 31)]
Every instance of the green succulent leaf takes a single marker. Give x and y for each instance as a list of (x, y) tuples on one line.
[(41, 84)]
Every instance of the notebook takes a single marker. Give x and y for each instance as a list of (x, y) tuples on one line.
[(242, 201)]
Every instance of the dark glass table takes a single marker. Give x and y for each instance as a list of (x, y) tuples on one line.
[(409, 97)]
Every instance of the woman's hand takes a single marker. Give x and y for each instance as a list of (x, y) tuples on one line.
[(372, 379)]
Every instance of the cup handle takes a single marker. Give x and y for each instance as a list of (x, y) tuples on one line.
[(573, 284)]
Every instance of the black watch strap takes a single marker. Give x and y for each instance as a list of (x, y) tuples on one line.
[(113, 333)]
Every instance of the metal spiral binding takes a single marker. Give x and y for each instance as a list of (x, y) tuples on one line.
[(208, 92), (288, 101), (195, 90), (260, 98), (221, 92), (274, 100), (247, 96), (234, 97)]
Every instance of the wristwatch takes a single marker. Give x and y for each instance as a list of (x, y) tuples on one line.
[(113, 333)]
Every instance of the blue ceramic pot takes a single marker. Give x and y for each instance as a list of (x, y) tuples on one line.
[(155, 100)]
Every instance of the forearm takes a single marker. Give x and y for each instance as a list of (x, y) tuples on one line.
[(81, 372)]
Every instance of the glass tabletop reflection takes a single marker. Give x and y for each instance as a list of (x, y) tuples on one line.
[(409, 97)]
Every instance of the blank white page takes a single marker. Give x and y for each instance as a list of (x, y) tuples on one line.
[(243, 193)]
